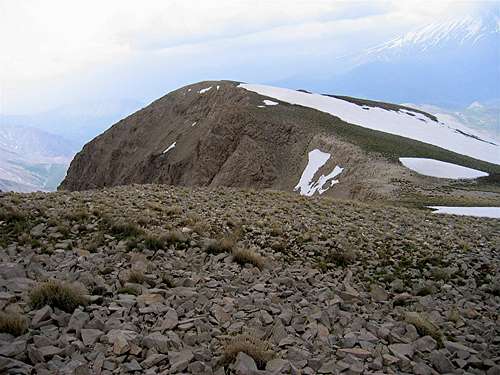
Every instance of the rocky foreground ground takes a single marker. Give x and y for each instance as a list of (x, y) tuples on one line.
[(159, 280)]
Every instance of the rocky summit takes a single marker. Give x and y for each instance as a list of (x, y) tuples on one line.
[(154, 279), (223, 133)]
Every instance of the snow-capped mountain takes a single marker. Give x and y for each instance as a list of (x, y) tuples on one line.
[(451, 64), (31, 159), (452, 33)]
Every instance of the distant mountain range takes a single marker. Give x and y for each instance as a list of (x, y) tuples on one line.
[(450, 64), (77, 122), (32, 159)]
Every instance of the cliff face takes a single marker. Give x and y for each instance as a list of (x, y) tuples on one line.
[(218, 134)]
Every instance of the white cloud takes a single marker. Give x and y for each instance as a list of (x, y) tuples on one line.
[(49, 42)]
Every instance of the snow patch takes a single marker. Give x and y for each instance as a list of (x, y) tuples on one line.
[(306, 185), (169, 147), (440, 169), (491, 212), (269, 102), (202, 91), (405, 123)]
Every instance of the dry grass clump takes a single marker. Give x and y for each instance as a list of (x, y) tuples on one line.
[(78, 215), (244, 256), (167, 280), (424, 326), (173, 210), (96, 242), (11, 214), (13, 324), (64, 296), (251, 345), (341, 257), (221, 245), (153, 242), (124, 229), (174, 237), (136, 277)]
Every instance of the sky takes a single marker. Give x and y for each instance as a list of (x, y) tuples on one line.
[(57, 53)]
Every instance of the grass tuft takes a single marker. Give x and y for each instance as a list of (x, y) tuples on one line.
[(424, 326), (13, 324), (251, 345), (244, 256), (58, 294), (136, 277), (125, 229), (222, 245)]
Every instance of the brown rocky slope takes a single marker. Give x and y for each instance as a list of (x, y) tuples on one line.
[(226, 137), (158, 279)]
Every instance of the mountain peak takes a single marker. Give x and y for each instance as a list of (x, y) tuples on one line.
[(451, 32)]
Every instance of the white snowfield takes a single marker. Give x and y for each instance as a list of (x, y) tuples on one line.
[(269, 102), (169, 147), (491, 212), (202, 91), (441, 169), (405, 123), (306, 185)]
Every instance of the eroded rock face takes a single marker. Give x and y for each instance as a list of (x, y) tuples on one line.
[(227, 136), (218, 142)]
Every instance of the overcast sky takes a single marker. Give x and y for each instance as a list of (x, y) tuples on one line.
[(57, 52)]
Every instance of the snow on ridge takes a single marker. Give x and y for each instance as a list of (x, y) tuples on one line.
[(440, 169), (170, 147), (269, 102), (490, 212), (202, 91), (306, 185), (405, 123)]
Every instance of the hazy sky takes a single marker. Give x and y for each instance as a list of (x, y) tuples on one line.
[(58, 52)]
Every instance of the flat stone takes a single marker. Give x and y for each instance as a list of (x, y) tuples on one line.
[(425, 344), (356, 352), (121, 340), (441, 363), (244, 364), (77, 321), (402, 350), (132, 366), (170, 320), (153, 360), (38, 230), (199, 368), (157, 341), (378, 293), (41, 315), (150, 298), (328, 368), (277, 366), (90, 336), (179, 360), (50, 351), (265, 317), (13, 366), (13, 349), (10, 270), (454, 347)]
